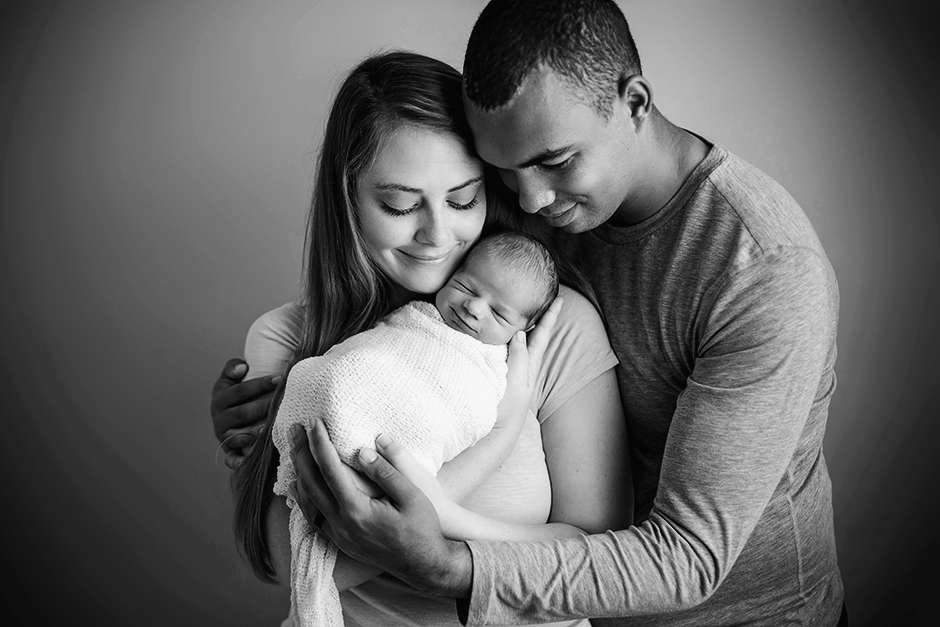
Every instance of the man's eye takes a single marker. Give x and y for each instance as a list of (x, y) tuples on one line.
[(559, 165)]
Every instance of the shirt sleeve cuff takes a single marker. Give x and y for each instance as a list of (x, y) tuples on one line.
[(478, 605)]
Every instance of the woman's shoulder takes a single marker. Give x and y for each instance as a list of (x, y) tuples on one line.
[(272, 340), (284, 320), (577, 310), (578, 351)]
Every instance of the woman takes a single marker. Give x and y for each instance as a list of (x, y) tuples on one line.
[(398, 201)]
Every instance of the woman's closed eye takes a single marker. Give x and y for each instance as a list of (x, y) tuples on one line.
[(464, 207), (464, 198), (395, 211)]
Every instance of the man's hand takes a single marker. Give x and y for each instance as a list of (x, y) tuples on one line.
[(399, 533), (239, 408)]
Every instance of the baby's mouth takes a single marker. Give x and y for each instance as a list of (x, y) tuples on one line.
[(461, 322)]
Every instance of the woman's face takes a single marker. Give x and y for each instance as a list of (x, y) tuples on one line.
[(421, 207)]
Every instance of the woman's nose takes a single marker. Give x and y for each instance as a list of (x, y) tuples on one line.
[(434, 230)]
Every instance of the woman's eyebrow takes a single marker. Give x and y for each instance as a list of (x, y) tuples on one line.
[(397, 187), (475, 179), (414, 190)]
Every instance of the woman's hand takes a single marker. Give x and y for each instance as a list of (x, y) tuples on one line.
[(524, 362)]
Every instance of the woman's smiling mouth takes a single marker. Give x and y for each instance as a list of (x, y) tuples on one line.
[(426, 258)]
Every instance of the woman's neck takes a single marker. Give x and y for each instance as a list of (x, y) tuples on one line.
[(400, 296)]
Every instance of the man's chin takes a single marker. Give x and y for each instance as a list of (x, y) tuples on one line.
[(575, 225), (581, 220)]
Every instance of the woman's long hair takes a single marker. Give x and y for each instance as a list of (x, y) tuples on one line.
[(344, 292)]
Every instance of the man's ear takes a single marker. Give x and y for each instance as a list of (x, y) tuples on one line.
[(635, 96)]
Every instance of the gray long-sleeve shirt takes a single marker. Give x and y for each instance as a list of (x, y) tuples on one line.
[(722, 309)]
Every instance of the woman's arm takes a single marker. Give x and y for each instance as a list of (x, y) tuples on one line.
[(464, 473), (583, 434), (585, 442), (585, 445)]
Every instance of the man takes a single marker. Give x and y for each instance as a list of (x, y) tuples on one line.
[(722, 308)]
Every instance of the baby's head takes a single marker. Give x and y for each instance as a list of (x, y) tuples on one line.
[(505, 284)]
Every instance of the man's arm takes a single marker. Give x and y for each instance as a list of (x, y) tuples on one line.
[(736, 428)]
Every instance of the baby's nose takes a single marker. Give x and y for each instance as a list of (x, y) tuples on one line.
[(474, 307)]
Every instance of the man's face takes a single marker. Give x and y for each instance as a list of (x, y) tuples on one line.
[(564, 159)]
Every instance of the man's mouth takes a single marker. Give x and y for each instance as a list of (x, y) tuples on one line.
[(559, 218)]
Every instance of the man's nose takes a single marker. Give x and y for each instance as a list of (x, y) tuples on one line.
[(534, 193)]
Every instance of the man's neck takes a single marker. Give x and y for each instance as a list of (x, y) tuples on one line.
[(670, 157)]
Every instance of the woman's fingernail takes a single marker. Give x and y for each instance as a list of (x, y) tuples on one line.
[(383, 440), (367, 455)]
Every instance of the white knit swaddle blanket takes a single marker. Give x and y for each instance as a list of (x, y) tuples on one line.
[(432, 388)]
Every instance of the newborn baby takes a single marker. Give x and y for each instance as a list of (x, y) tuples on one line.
[(430, 376)]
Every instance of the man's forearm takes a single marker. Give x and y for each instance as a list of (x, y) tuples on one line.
[(450, 577)]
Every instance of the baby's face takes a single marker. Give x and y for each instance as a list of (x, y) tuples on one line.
[(486, 302)]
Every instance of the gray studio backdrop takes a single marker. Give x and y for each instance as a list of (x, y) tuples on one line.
[(157, 162)]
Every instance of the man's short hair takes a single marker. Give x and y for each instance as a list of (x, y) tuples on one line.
[(585, 42)]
